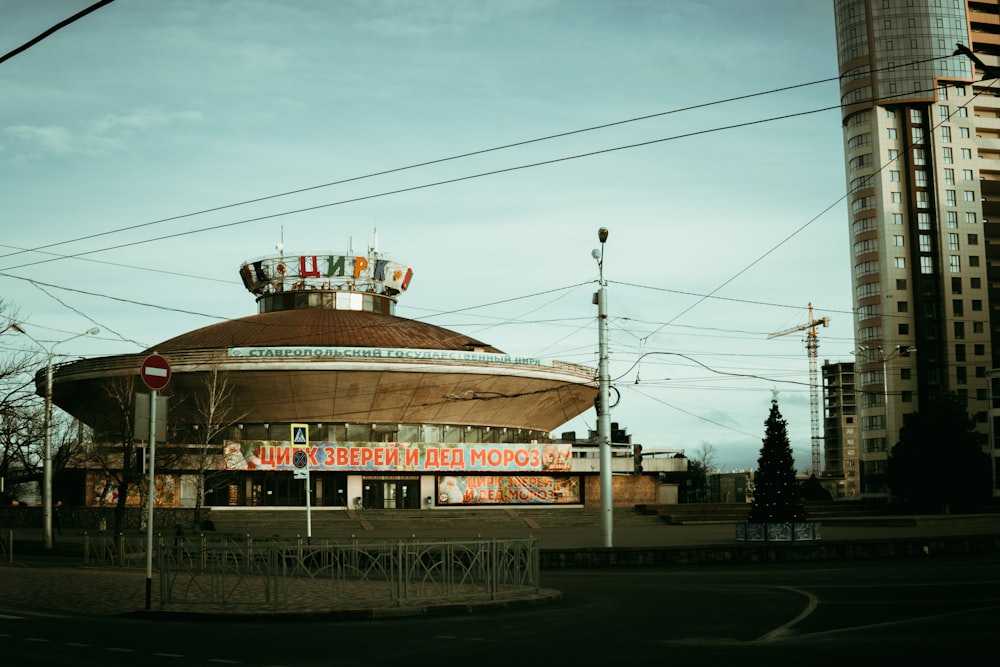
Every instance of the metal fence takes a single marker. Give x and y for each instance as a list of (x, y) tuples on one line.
[(7, 545), (114, 551), (243, 575)]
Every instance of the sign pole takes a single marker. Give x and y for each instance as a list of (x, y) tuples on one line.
[(150, 494), (300, 458), (155, 373), (309, 521)]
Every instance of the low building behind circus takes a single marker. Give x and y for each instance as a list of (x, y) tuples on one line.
[(326, 388)]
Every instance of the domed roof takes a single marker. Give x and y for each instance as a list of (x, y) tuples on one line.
[(323, 327)]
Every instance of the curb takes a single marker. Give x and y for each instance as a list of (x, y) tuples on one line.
[(526, 600)]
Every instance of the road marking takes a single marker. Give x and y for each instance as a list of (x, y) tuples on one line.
[(782, 629), (904, 621)]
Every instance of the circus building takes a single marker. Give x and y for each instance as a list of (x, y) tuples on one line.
[(326, 388)]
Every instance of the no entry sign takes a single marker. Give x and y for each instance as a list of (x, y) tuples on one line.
[(155, 371)]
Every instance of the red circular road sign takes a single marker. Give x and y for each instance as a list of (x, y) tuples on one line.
[(155, 371)]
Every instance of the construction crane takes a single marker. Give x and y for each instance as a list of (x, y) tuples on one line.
[(812, 345)]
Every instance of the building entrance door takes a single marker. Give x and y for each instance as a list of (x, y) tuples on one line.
[(391, 494)]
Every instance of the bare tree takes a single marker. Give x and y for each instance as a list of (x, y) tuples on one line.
[(21, 438), (22, 416), (214, 412), (699, 468), (706, 456), (120, 459)]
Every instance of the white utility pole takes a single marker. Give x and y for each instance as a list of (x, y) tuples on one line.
[(603, 398), (47, 447)]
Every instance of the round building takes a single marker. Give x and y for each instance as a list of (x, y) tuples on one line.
[(326, 388)]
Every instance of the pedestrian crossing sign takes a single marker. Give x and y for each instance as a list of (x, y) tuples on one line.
[(300, 435)]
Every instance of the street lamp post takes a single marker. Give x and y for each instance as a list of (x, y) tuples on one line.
[(47, 447), (603, 398)]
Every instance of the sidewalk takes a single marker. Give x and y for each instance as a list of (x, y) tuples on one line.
[(57, 582)]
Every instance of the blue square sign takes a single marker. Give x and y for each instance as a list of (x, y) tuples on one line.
[(300, 435)]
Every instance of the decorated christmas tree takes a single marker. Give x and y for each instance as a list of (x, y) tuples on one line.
[(777, 497)]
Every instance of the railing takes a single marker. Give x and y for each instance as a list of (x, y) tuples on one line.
[(240, 575), (221, 573), (7, 545), (114, 551)]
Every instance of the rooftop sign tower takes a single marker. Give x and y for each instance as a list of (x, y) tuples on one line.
[(337, 281)]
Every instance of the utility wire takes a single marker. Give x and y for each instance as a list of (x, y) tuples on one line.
[(424, 186), (84, 315), (691, 414), (424, 164), (797, 231), (59, 26), (721, 298), (126, 266), (468, 177), (455, 157), (113, 298), (709, 368)]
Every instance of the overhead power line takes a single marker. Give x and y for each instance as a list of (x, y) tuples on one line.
[(425, 163), (424, 186), (59, 26), (457, 157), (468, 177)]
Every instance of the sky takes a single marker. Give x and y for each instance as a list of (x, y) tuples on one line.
[(148, 149)]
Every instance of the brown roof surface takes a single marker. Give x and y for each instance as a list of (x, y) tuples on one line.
[(316, 326)]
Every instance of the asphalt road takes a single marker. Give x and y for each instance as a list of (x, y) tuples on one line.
[(866, 612)]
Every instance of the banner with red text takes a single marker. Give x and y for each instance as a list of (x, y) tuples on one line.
[(401, 456), (507, 489)]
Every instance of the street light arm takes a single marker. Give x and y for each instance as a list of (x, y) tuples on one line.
[(901, 350), (47, 450), (93, 331), (17, 327)]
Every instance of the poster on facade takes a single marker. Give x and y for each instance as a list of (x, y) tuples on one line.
[(507, 490), (168, 491), (401, 456)]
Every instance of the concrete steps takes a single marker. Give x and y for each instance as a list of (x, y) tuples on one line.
[(340, 522), (701, 513)]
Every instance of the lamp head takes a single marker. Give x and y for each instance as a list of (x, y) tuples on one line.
[(602, 234), (596, 254), (93, 331)]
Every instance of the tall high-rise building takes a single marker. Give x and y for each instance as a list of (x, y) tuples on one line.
[(921, 126)]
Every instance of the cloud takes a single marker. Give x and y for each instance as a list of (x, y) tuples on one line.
[(110, 132), (397, 18), (142, 119), (46, 139)]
